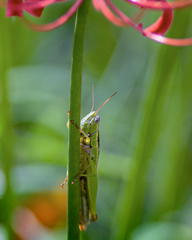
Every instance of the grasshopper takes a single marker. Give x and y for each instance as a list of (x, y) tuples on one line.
[(89, 156)]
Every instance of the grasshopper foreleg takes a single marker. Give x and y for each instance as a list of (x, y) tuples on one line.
[(61, 186), (81, 131)]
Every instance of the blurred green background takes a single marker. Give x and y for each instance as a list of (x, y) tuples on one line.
[(145, 165)]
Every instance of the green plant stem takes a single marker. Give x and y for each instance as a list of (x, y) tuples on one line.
[(6, 123), (75, 109)]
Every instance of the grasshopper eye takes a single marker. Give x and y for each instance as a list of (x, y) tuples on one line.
[(97, 118)]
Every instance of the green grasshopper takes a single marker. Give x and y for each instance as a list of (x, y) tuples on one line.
[(89, 156)]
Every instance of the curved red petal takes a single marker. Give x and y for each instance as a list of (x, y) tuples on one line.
[(14, 8), (153, 36), (102, 6), (35, 12), (53, 25), (169, 41), (163, 23), (35, 7), (127, 21), (96, 5), (160, 5)]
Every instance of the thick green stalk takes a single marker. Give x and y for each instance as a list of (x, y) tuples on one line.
[(75, 109), (6, 123)]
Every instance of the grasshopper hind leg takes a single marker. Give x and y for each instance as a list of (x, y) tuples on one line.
[(84, 205)]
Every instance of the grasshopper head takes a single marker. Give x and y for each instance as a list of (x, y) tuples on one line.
[(90, 123)]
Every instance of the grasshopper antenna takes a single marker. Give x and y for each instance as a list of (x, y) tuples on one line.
[(92, 97), (105, 102)]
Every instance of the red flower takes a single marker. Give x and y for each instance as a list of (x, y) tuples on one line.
[(16, 7), (155, 32)]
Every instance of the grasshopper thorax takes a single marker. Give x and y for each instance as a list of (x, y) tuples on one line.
[(90, 123)]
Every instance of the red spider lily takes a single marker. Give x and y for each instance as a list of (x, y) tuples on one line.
[(111, 12)]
